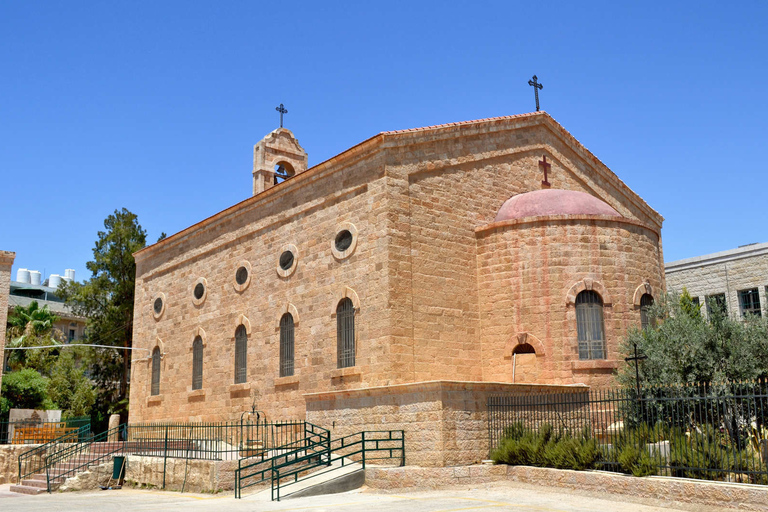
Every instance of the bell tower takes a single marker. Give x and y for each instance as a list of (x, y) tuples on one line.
[(276, 158)]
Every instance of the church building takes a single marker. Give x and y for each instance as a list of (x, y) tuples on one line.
[(399, 282)]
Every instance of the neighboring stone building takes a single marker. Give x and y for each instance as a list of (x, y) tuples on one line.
[(736, 279), (398, 283), (6, 262)]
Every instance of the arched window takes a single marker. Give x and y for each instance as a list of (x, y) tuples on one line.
[(155, 390), (345, 333), (241, 354), (524, 348), (197, 363), (286, 345), (646, 301), (589, 323)]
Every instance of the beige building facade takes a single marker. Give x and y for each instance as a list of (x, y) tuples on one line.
[(6, 262), (425, 264), (736, 279)]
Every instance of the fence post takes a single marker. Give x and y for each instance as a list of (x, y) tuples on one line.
[(363, 434), (165, 454)]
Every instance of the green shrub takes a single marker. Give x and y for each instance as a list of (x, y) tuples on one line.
[(545, 448)]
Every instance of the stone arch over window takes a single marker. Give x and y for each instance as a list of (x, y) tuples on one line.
[(523, 338), (590, 325), (241, 354), (641, 290), (286, 345), (588, 285), (155, 382), (197, 363), (287, 308), (347, 293), (345, 333), (243, 320)]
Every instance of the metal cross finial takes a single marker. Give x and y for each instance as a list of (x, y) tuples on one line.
[(536, 86), (636, 359), (284, 110), (546, 165)]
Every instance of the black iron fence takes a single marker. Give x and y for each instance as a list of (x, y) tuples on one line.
[(32, 431), (706, 431), (211, 441)]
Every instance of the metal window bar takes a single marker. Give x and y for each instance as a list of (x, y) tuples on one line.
[(286, 345), (241, 355), (646, 301), (589, 325), (155, 388), (197, 363), (345, 333)]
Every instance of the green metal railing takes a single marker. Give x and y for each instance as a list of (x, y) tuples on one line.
[(36, 432), (70, 460), (355, 448), (254, 470), (33, 461)]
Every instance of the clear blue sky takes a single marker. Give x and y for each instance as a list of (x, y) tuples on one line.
[(156, 106)]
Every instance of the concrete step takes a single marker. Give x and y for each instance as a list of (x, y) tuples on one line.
[(35, 482), (26, 489)]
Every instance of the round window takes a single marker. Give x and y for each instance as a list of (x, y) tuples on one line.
[(241, 276), (158, 306), (343, 240), (199, 291), (286, 260)]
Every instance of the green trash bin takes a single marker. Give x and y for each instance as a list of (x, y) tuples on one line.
[(118, 470)]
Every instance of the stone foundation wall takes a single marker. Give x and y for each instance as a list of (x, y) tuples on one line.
[(200, 475), (445, 422), (689, 493), (9, 461)]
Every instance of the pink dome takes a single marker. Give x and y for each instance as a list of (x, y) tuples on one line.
[(540, 203)]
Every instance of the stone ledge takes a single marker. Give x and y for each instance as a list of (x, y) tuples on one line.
[(196, 393), (594, 364), (720, 495), (286, 381), (236, 388), (154, 400), (345, 372)]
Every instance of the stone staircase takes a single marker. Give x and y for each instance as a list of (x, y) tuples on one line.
[(38, 484)]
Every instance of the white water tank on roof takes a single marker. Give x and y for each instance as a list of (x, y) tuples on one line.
[(54, 280), (69, 274), (34, 276), (22, 275)]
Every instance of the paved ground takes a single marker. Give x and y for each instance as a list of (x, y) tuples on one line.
[(500, 496)]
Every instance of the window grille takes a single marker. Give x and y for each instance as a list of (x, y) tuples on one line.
[(345, 333), (646, 301), (241, 355), (749, 301), (155, 372), (718, 302), (589, 324), (286, 345), (197, 363)]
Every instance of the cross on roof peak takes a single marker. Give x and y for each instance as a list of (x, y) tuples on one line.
[(282, 111)]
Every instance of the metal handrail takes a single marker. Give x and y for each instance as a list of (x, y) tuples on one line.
[(68, 454), (313, 436), (28, 458), (316, 459)]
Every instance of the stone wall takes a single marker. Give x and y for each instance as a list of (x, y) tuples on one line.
[(681, 493), (726, 272), (6, 262), (527, 271), (445, 422), (9, 461)]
